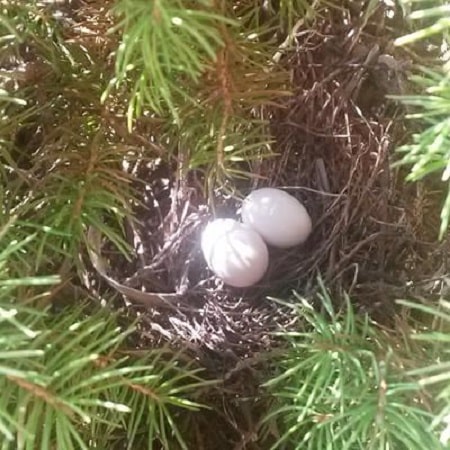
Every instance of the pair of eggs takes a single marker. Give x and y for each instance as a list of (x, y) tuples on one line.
[(237, 252)]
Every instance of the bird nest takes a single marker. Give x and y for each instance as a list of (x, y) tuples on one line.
[(373, 237), (335, 136)]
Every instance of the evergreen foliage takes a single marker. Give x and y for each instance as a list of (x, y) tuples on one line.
[(206, 67), (429, 151), (67, 384), (343, 384), (201, 76), (435, 375), (67, 378)]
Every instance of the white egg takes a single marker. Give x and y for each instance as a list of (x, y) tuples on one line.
[(234, 252), (214, 231), (277, 216)]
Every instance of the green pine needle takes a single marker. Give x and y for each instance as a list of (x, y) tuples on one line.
[(62, 376), (429, 152), (165, 46), (340, 385)]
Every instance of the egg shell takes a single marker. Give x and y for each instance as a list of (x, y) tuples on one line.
[(234, 252), (277, 216), (213, 231)]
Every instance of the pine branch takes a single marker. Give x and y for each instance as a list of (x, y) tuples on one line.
[(166, 45), (429, 151), (65, 384), (65, 379), (214, 86), (436, 374), (61, 163), (342, 380)]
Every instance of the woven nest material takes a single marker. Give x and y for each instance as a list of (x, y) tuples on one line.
[(334, 143), (374, 237)]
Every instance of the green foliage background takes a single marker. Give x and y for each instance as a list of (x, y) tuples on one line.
[(67, 376), (429, 151)]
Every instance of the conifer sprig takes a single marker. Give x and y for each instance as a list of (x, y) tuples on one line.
[(342, 384), (66, 384), (429, 151)]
